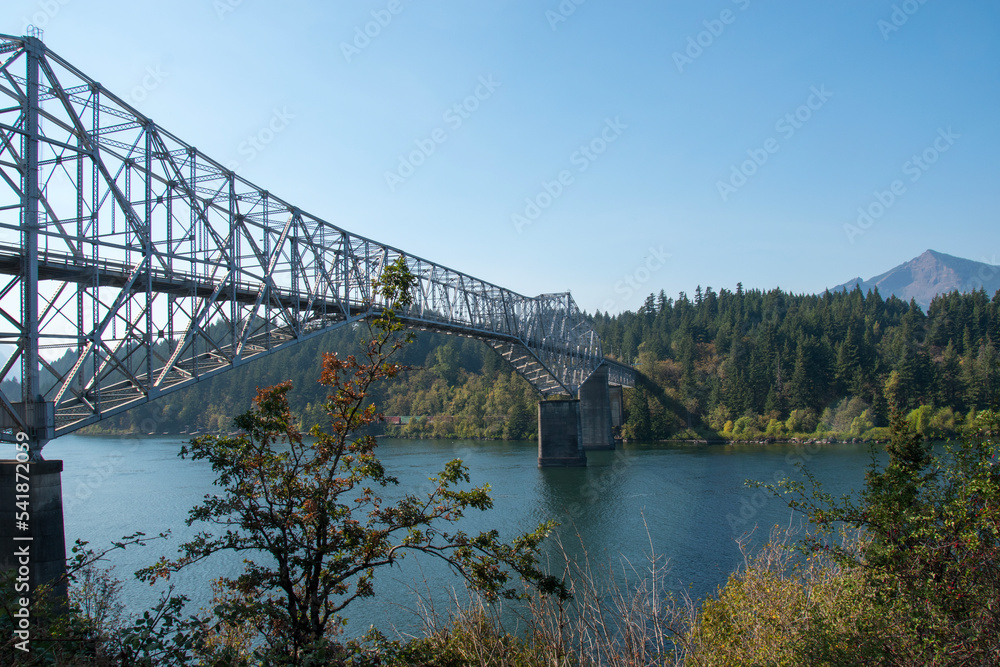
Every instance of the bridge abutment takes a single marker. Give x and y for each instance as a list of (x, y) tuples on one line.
[(560, 435), (32, 540), (595, 411)]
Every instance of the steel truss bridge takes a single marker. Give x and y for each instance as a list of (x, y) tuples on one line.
[(155, 266)]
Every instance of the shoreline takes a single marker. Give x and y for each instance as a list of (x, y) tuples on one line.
[(774, 441), (829, 440)]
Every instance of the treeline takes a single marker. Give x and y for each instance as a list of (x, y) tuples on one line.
[(749, 363), (743, 364)]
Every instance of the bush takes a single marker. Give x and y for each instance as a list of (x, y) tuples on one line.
[(718, 418), (942, 424), (861, 424), (801, 421), (775, 429), (781, 608), (745, 426), (847, 411), (930, 561), (919, 420), (878, 434)]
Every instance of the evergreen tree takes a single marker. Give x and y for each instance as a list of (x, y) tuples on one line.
[(948, 386)]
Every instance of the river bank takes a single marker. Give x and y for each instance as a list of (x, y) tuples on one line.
[(830, 440)]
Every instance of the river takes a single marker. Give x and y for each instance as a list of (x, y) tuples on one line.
[(688, 503)]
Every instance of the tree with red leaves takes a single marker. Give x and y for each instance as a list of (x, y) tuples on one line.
[(307, 515)]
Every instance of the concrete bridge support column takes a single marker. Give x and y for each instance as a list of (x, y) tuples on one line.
[(617, 405), (560, 436), (39, 541), (595, 411)]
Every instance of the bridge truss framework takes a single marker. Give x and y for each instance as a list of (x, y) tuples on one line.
[(157, 267)]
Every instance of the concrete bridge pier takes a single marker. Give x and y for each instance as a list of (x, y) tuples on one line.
[(617, 396), (560, 435), (32, 538), (33, 546), (595, 411)]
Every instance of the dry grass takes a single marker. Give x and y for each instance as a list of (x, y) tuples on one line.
[(782, 608), (779, 608), (620, 617)]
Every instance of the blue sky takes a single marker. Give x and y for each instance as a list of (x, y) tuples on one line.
[(609, 148)]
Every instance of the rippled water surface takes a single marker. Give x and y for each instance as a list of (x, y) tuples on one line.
[(687, 502)]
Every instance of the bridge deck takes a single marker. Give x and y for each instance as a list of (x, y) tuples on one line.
[(159, 267)]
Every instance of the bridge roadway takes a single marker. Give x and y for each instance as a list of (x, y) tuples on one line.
[(66, 268)]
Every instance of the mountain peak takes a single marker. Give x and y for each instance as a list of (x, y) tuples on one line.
[(940, 256), (931, 273)]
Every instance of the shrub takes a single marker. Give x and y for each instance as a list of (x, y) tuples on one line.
[(931, 555), (862, 424), (847, 411), (775, 429), (781, 608), (919, 420), (801, 421), (878, 434), (942, 423), (745, 426), (719, 417)]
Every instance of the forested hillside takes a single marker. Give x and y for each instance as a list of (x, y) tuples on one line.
[(751, 363), (457, 387), (741, 364)]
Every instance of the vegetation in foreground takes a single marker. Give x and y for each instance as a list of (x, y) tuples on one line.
[(906, 573), (310, 522)]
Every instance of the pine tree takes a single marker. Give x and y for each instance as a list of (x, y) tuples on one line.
[(661, 302), (948, 385)]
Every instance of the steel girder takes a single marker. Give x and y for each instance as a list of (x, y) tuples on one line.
[(157, 267)]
